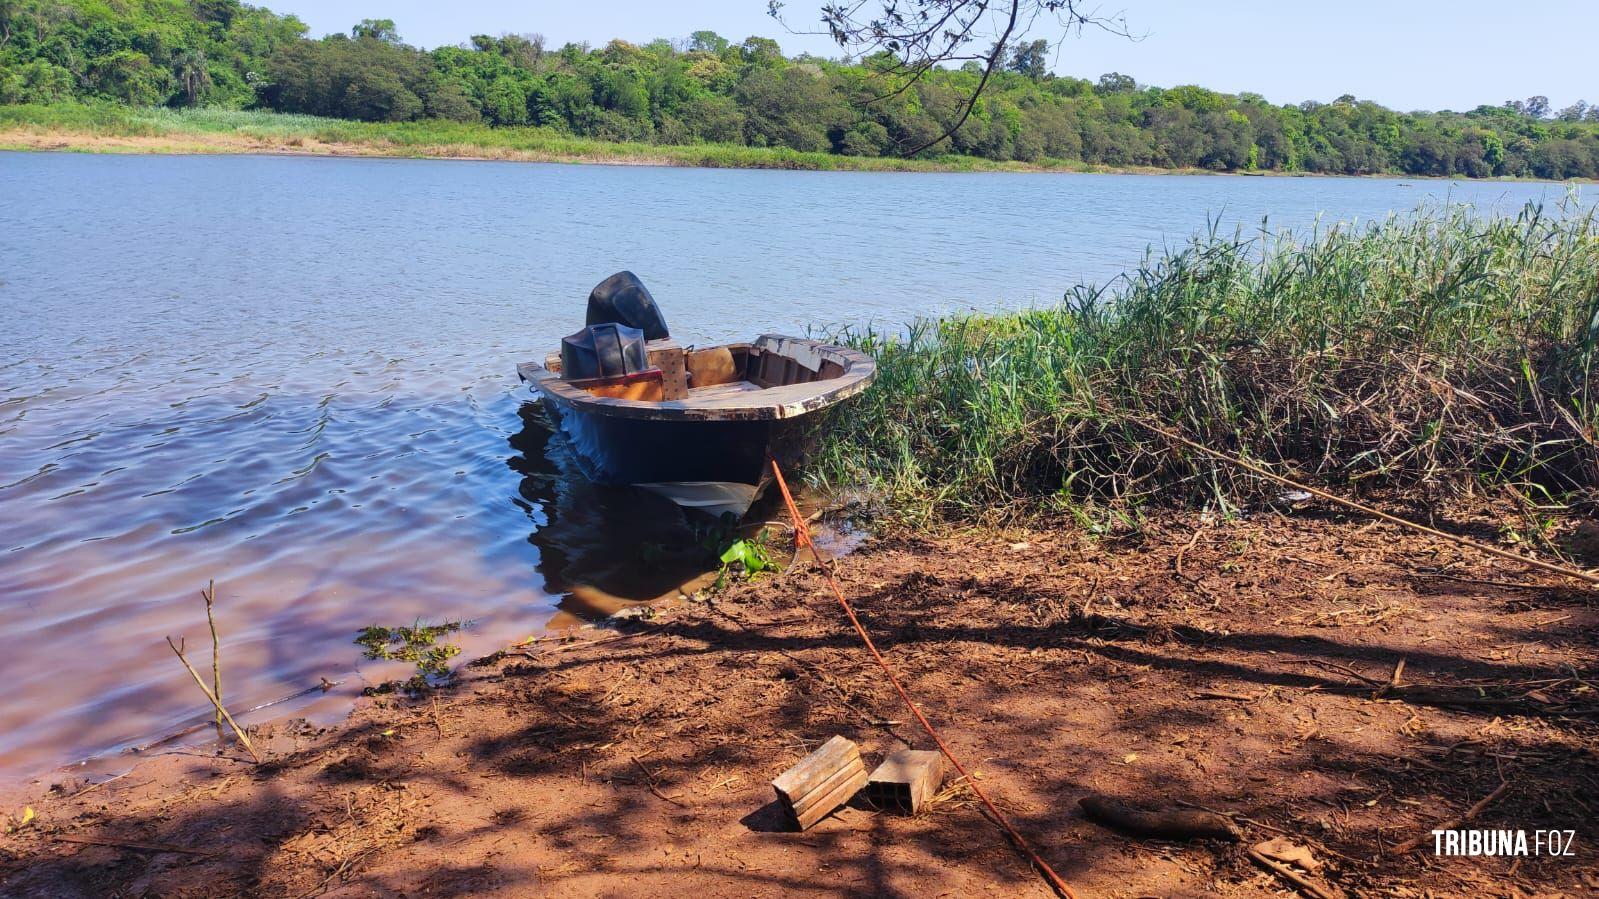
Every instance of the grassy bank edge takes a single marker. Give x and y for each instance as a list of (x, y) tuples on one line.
[(107, 128), (110, 128), (1428, 356)]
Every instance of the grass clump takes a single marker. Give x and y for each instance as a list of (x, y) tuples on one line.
[(1431, 353)]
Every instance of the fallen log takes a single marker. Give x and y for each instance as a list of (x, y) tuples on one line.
[(1167, 824)]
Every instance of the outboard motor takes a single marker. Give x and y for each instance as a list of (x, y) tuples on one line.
[(603, 351), (622, 298)]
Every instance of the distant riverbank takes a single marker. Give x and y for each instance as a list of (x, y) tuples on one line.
[(90, 128), (117, 129)]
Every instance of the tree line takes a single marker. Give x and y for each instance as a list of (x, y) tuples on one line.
[(708, 89)]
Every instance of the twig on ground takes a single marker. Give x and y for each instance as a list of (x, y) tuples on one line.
[(575, 644), (130, 844), (97, 785), (1393, 681), (1251, 822), (650, 780), (1219, 694), (1305, 885), (1509, 585), (1414, 843), (1343, 669), (1549, 567), (1177, 563), (337, 872)]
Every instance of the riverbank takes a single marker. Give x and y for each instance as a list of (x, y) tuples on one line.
[(117, 129), (1224, 664)]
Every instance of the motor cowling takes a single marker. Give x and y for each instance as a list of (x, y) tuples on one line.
[(607, 350), (623, 299)]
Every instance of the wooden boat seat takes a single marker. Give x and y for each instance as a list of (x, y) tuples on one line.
[(720, 391)]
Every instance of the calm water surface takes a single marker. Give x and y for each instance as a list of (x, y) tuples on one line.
[(296, 376)]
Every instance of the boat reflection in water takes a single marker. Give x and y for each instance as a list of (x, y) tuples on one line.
[(604, 548)]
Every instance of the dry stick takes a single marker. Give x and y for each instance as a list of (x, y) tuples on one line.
[(1178, 562), (1393, 681), (1308, 887), (577, 643), (128, 844), (210, 595), (1414, 843), (1549, 567), (238, 731), (1222, 694), (650, 782)]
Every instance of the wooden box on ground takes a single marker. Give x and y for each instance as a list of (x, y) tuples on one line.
[(906, 780), (821, 782)]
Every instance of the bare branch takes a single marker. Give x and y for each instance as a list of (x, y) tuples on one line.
[(988, 70), (907, 39)]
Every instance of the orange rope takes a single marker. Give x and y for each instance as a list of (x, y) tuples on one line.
[(802, 535)]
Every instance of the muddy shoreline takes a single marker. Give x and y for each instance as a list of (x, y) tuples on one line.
[(1226, 665)]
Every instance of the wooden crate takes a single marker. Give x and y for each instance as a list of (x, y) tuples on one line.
[(821, 782), (667, 355), (906, 780)]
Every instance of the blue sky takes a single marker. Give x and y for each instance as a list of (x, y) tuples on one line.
[(1408, 54)]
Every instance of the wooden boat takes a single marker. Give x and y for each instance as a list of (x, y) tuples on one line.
[(698, 424)]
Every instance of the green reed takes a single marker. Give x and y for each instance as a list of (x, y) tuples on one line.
[(1432, 353)]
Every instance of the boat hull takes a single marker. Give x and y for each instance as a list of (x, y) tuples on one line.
[(705, 447), (717, 466)]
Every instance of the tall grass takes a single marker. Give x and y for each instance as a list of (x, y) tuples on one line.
[(1433, 353)]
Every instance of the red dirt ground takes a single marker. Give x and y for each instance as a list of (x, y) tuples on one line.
[(1233, 666)]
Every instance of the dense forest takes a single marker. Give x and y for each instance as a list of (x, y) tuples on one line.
[(707, 89)]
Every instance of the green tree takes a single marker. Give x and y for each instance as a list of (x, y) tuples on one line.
[(1493, 151), (864, 139), (194, 79), (706, 42), (761, 51), (1116, 83), (1030, 59), (448, 99), (376, 29)]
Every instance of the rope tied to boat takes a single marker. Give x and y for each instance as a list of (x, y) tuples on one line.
[(802, 537)]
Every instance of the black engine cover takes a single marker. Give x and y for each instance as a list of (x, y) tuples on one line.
[(622, 298)]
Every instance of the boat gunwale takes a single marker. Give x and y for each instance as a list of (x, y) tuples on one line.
[(771, 403)]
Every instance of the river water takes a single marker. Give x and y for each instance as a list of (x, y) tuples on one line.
[(296, 376)]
